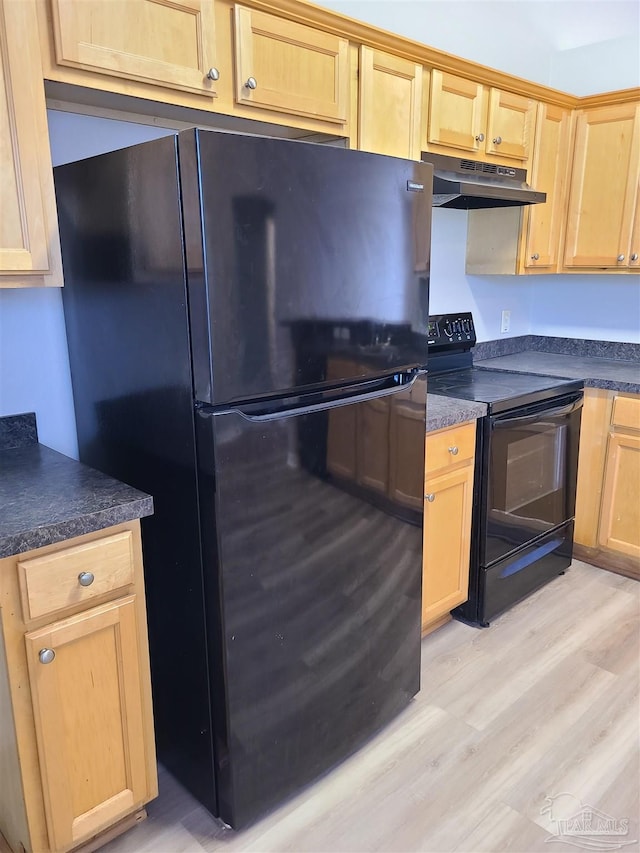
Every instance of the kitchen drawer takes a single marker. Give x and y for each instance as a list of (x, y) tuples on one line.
[(52, 582), (450, 447), (626, 412)]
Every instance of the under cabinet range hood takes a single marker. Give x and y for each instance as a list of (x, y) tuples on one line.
[(470, 184)]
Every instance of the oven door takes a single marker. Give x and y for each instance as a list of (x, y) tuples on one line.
[(531, 465)]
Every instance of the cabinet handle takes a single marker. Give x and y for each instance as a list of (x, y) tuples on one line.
[(86, 578), (46, 655), (453, 450), (621, 257), (497, 140), (213, 74), (430, 497), (634, 257), (480, 137), (251, 83), (535, 257)]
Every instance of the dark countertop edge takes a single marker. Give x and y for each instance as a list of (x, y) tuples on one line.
[(457, 412), (51, 534), (612, 385)]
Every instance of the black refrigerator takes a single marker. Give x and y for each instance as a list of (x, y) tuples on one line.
[(246, 322)]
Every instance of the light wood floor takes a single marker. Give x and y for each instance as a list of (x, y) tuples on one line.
[(541, 704)]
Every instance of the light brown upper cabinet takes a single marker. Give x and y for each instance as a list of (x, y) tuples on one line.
[(603, 200), (390, 104), (467, 116), (516, 240), (29, 241), (543, 222), (166, 43), (289, 67)]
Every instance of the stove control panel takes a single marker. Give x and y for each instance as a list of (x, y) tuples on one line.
[(451, 331)]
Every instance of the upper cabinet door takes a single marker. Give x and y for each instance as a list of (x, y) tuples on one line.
[(29, 242), (164, 42), (456, 115), (549, 175), (604, 187), (285, 66), (510, 125), (390, 104)]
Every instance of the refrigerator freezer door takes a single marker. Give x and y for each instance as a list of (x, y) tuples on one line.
[(307, 264), (316, 549)]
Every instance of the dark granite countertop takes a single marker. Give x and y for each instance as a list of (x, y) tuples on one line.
[(446, 411), (46, 497), (607, 373)]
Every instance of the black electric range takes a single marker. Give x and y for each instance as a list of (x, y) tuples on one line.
[(525, 472)]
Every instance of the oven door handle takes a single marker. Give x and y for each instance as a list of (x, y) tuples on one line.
[(541, 414)]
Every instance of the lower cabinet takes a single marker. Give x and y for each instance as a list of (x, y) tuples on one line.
[(607, 529), (75, 698), (448, 503)]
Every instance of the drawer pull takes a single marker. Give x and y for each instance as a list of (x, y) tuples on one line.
[(86, 578), (453, 450), (46, 655), (251, 83), (430, 497), (213, 74)]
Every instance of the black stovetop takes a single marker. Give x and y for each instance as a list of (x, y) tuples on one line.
[(501, 390), (451, 372)]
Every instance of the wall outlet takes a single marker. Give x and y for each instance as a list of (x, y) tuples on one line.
[(505, 323)]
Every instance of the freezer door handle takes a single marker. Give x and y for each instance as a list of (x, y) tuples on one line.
[(334, 402)]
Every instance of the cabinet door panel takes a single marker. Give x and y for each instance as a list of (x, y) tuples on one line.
[(29, 240), (551, 154), (163, 42), (510, 124), (604, 187), (447, 542), (455, 112), (620, 520), (87, 708), (390, 104), (295, 68)]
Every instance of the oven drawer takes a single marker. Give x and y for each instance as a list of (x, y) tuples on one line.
[(450, 447), (74, 575), (529, 568)]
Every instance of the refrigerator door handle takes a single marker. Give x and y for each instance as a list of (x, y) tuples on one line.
[(334, 403)]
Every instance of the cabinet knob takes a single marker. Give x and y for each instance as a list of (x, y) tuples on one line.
[(453, 450), (535, 257), (213, 74), (634, 257), (621, 257), (46, 655), (251, 83), (430, 497), (85, 578), (497, 140), (480, 137)]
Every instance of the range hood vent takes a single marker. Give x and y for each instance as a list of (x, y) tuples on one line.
[(471, 184)]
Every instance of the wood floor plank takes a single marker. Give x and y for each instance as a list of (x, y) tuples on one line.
[(545, 701)]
